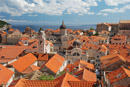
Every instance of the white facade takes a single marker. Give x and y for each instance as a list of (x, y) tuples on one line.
[(62, 67), (9, 82)]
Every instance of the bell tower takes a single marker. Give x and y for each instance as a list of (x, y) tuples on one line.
[(63, 30)]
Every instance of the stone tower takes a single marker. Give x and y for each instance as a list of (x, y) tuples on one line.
[(63, 30), (41, 42)]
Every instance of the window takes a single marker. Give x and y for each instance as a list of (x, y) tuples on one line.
[(97, 60), (76, 54), (26, 42), (68, 61)]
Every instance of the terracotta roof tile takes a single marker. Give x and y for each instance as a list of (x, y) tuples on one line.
[(65, 78), (81, 84), (89, 76), (35, 83), (54, 63), (110, 59), (24, 38), (24, 62), (8, 52), (43, 57), (86, 75), (5, 74), (86, 64), (11, 29), (31, 69), (118, 74)]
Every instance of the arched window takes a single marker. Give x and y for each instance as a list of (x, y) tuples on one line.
[(76, 54)]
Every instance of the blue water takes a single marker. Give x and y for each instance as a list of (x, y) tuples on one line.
[(54, 27)]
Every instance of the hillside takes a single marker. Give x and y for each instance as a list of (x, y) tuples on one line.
[(2, 23)]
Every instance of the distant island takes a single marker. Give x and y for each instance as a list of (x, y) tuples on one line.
[(4, 25)]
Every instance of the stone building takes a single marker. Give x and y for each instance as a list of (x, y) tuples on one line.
[(14, 37), (55, 65), (111, 27), (119, 40), (112, 62), (63, 30), (3, 37), (119, 77), (124, 27)]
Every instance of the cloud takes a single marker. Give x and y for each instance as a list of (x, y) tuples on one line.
[(12, 21), (117, 10), (2, 16), (49, 7), (116, 2), (15, 21), (104, 14), (32, 15)]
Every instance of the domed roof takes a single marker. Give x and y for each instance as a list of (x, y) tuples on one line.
[(76, 43), (27, 28), (62, 26)]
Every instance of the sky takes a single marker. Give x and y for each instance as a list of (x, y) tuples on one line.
[(73, 12)]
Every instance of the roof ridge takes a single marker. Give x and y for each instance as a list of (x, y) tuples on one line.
[(126, 71)]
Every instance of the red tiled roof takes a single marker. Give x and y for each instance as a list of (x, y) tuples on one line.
[(5, 74), (118, 74), (43, 57), (121, 37), (35, 83), (24, 62), (31, 69), (110, 59), (70, 67), (55, 63), (2, 60), (89, 76), (11, 29), (65, 78), (86, 64), (24, 38), (8, 52), (86, 75), (81, 84)]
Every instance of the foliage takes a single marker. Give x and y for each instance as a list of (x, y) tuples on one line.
[(47, 77), (61, 73), (2, 23), (96, 34), (41, 29), (91, 28)]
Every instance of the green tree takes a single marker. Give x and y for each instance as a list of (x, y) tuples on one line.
[(2, 23), (47, 77), (41, 29), (91, 28), (96, 34)]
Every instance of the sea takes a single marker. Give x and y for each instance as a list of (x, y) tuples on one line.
[(54, 27)]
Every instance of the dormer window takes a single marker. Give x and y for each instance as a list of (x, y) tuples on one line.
[(35, 46), (26, 42), (118, 76), (2, 56)]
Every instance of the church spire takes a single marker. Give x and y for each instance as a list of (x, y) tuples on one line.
[(63, 22), (63, 26)]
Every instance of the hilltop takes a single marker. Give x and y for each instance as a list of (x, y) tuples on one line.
[(2, 23)]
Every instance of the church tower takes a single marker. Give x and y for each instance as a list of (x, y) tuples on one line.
[(64, 36), (41, 42), (63, 30)]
